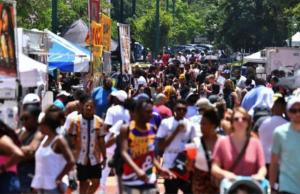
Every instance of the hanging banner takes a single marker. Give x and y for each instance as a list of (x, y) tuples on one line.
[(94, 10), (124, 37), (97, 37), (8, 64), (106, 23), (106, 62)]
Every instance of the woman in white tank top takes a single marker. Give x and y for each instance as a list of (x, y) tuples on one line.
[(53, 159)]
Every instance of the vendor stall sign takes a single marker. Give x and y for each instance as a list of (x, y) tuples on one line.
[(8, 64), (124, 37)]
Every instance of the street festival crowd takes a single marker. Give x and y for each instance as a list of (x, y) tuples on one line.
[(192, 125)]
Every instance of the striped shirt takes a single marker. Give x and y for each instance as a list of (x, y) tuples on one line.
[(141, 149)]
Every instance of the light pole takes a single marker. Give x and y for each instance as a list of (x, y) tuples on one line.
[(133, 7), (157, 31)]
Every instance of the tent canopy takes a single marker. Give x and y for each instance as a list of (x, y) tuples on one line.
[(295, 40), (76, 32), (66, 56), (32, 72), (255, 58)]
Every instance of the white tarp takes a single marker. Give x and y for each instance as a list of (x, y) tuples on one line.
[(255, 58), (32, 73), (295, 40)]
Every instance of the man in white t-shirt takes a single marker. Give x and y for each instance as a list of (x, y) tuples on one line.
[(115, 114), (173, 134), (268, 126)]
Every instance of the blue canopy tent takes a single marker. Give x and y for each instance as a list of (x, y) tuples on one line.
[(66, 56)]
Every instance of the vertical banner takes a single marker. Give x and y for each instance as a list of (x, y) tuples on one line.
[(8, 62), (106, 62), (124, 38), (106, 23), (94, 10), (97, 38)]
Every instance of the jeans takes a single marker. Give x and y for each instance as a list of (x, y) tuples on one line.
[(172, 186), (9, 183)]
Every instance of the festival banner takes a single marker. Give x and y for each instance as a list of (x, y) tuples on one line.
[(97, 38), (8, 62), (106, 23), (124, 38)]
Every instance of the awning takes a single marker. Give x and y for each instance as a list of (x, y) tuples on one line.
[(32, 72), (295, 40), (66, 56), (255, 58)]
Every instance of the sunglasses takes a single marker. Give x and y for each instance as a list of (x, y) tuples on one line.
[(181, 109), (227, 118), (239, 119), (294, 110)]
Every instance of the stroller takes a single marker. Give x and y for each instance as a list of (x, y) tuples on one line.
[(244, 185)]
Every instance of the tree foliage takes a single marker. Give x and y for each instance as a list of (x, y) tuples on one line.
[(236, 24)]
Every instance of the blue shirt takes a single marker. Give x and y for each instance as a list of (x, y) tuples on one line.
[(258, 96), (100, 97), (286, 144)]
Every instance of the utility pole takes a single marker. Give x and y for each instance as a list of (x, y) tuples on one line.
[(133, 7), (157, 33), (54, 16)]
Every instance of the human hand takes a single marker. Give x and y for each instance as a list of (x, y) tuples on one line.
[(258, 177), (180, 128), (142, 176), (167, 174), (103, 162), (230, 176)]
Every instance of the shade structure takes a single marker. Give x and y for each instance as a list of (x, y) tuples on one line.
[(255, 58), (65, 56), (295, 40), (32, 73)]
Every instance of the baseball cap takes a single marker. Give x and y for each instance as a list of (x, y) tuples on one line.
[(121, 95), (293, 100), (141, 96), (31, 98), (203, 103)]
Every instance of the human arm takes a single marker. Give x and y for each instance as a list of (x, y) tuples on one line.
[(29, 150), (273, 170), (236, 99), (9, 148), (127, 158), (165, 173), (63, 148), (164, 142)]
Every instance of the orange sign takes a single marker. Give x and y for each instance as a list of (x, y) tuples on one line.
[(106, 23)]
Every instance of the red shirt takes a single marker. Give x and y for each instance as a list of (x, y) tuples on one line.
[(164, 111), (225, 154)]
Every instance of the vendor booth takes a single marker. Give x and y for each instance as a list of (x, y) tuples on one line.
[(65, 56)]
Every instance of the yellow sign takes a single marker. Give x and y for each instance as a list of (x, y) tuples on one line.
[(97, 50), (97, 33), (106, 23)]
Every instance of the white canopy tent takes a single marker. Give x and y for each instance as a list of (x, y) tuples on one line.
[(32, 73), (255, 58), (295, 40)]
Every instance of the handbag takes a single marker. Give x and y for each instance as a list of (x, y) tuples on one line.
[(180, 166)]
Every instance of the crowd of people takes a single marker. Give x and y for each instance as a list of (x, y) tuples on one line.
[(194, 125)]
